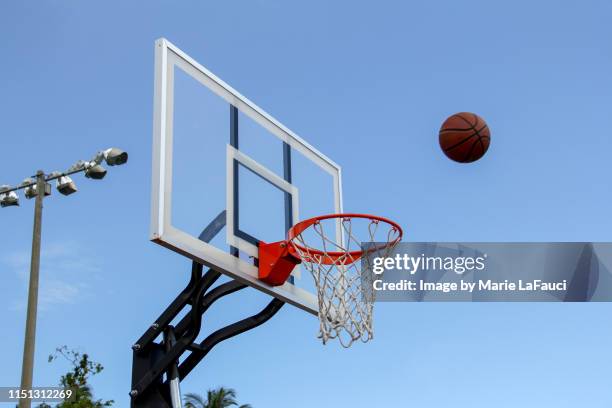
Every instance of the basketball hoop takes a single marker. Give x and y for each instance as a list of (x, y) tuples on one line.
[(330, 248)]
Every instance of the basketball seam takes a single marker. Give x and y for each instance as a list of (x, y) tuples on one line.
[(467, 121), (461, 142), (467, 157), (479, 141), (481, 145), (476, 119), (476, 133), (455, 129)]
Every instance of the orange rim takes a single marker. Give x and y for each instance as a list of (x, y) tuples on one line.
[(328, 258)]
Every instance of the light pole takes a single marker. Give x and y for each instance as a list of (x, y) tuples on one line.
[(30, 330), (39, 188)]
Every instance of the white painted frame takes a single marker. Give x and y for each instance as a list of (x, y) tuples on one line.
[(233, 154), (167, 56)]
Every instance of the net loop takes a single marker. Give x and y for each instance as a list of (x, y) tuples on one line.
[(333, 249)]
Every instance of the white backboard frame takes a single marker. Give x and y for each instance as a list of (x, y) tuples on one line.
[(163, 232)]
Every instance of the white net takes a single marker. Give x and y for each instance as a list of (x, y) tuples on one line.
[(331, 250)]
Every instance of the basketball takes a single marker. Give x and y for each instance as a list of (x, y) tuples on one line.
[(464, 137)]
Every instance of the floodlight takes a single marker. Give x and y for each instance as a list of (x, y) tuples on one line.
[(115, 157), (66, 186), (95, 172), (8, 199), (31, 190)]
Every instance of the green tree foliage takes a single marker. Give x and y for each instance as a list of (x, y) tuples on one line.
[(217, 398), (77, 380)]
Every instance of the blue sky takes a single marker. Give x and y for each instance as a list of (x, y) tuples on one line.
[(369, 84)]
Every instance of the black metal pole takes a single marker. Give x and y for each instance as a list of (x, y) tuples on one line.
[(30, 330)]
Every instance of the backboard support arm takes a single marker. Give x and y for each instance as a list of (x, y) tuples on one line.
[(151, 360), (199, 351)]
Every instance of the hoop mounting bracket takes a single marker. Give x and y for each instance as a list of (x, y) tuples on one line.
[(276, 262)]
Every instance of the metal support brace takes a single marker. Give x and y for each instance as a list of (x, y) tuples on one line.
[(199, 351), (152, 360)]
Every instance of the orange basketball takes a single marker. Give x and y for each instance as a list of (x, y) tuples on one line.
[(464, 137)]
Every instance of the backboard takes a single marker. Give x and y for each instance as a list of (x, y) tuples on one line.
[(227, 175)]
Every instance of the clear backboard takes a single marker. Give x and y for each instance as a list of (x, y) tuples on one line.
[(227, 175)]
